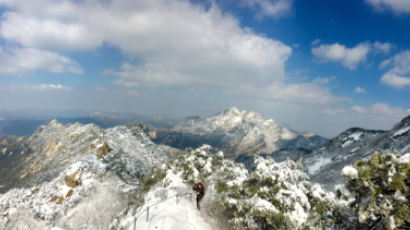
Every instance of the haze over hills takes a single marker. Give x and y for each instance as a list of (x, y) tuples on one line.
[(26, 126)]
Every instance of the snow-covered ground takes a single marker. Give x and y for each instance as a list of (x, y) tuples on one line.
[(95, 172), (171, 205), (312, 169), (401, 131), (170, 214)]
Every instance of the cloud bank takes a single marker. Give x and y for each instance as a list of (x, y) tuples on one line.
[(382, 112), (349, 57), (399, 74), (269, 8), (397, 6), (168, 44), (40, 87), (21, 60)]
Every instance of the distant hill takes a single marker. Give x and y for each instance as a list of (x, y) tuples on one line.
[(236, 132), (27, 126), (324, 164)]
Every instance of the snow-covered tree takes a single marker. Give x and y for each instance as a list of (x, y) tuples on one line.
[(377, 191), (274, 196)]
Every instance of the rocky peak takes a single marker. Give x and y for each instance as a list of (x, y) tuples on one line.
[(54, 124), (405, 123), (234, 118), (235, 112), (236, 131), (231, 110)]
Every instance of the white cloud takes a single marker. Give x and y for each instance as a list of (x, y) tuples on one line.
[(100, 89), (399, 75), (381, 112), (323, 80), (359, 90), (20, 60), (303, 93), (395, 80), (359, 109), (384, 47), (47, 33), (349, 57), (333, 112), (132, 93), (270, 8), (397, 6), (41, 87), (173, 43), (315, 42), (307, 94)]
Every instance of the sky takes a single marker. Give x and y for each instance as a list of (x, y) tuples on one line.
[(318, 65)]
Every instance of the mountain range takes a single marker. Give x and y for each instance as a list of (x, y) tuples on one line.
[(26, 126), (82, 176)]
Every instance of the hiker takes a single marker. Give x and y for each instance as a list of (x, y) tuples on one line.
[(200, 192)]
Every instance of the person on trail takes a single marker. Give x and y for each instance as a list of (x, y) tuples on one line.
[(200, 192)]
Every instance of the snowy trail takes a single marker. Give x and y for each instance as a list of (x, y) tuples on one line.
[(170, 215), (174, 212)]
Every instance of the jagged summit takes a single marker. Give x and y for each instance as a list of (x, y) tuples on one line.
[(405, 121), (236, 132), (233, 112), (402, 129), (235, 118), (54, 146), (65, 172)]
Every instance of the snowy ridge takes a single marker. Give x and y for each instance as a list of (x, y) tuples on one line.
[(78, 169), (171, 205), (324, 164)]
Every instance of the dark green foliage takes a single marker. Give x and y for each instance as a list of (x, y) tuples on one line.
[(381, 191), (149, 179)]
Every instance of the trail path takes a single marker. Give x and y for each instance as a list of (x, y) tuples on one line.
[(175, 212), (169, 215)]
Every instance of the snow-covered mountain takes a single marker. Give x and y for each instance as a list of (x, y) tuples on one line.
[(61, 175), (78, 176), (324, 164), (237, 132), (84, 177)]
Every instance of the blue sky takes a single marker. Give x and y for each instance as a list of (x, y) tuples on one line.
[(317, 65)]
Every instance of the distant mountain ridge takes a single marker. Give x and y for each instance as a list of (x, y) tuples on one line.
[(324, 164), (73, 176), (236, 132), (27, 126), (58, 177), (40, 157)]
